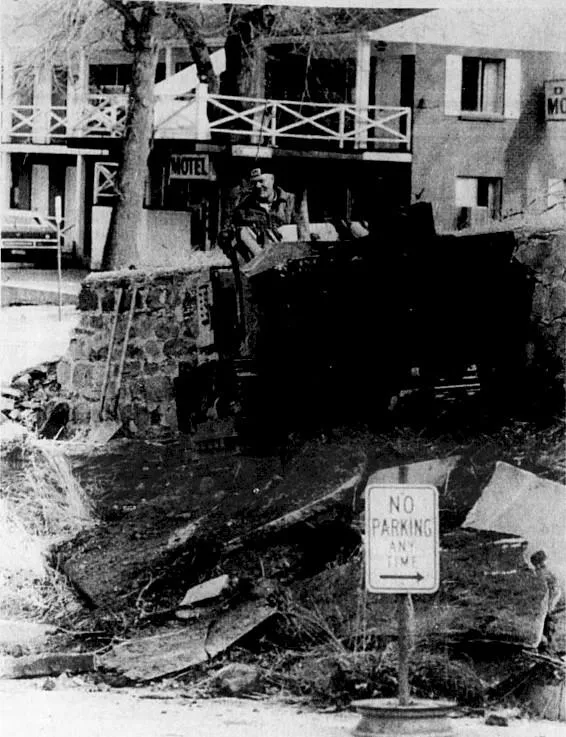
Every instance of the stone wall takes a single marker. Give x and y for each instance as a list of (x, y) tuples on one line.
[(171, 334), (164, 333), (543, 252)]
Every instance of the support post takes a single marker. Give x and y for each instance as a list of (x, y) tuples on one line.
[(5, 180), (202, 132), (363, 62), (80, 205), (58, 222), (169, 65), (7, 94), (42, 104)]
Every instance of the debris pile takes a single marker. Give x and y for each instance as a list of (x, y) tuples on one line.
[(32, 399), (198, 554)]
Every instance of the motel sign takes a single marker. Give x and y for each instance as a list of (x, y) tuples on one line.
[(555, 99), (190, 166)]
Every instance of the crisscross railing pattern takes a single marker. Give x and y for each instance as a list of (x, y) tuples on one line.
[(28, 122), (256, 120), (102, 115), (270, 120)]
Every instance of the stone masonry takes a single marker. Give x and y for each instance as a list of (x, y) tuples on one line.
[(543, 252), (164, 333), (171, 326)]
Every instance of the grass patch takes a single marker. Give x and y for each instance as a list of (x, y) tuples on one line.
[(41, 505)]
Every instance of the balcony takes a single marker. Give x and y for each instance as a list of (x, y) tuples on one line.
[(198, 115)]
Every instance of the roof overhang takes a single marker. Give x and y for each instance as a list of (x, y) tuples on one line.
[(531, 28)]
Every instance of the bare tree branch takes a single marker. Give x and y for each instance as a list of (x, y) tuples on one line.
[(197, 45)]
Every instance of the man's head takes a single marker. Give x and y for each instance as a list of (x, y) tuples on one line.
[(263, 184), (538, 559)]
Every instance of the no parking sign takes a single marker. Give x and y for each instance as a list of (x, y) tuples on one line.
[(402, 550)]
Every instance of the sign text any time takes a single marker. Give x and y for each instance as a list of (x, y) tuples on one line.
[(401, 539)]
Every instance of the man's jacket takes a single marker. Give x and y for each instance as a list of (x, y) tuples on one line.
[(281, 212)]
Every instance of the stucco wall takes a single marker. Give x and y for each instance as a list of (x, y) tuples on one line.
[(524, 152), (167, 237)]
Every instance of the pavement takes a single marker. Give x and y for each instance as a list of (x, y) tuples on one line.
[(31, 331), (25, 284), (31, 335), (26, 710)]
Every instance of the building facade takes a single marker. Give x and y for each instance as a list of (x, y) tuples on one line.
[(488, 136), (458, 109)]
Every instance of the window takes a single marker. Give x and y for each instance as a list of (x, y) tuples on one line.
[(478, 199), (482, 85), (485, 88), (110, 78)]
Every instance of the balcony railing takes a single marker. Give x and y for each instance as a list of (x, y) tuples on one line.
[(202, 116), (26, 122), (271, 121)]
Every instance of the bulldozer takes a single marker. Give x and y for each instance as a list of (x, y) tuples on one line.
[(314, 334)]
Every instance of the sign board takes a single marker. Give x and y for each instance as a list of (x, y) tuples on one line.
[(555, 99), (402, 539), (190, 166)]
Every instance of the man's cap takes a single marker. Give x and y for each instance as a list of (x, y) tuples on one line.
[(256, 173)]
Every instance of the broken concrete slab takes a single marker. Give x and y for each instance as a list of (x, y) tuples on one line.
[(520, 503), (25, 634), (434, 472), (102, 432), (235, 623), (205, 591), (49, 664), (164, 654), (486, 592), (147, 658)]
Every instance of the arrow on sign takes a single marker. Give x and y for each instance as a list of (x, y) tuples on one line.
[(416, 576)]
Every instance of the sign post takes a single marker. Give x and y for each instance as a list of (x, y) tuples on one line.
[(402, 554), (402, 558), (58, 223)]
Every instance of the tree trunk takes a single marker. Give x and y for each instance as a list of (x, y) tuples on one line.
[(125, 242), (243, 48)]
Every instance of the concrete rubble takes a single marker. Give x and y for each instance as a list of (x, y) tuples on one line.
[(521, 503), (225, 520), (208, 553), (47, 664), (205, 591), (148, 658)]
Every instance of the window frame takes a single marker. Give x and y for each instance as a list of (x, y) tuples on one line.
[(481, 107), (488, 201), (510, 87)]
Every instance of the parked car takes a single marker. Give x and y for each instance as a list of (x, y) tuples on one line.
[(27, 232)]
